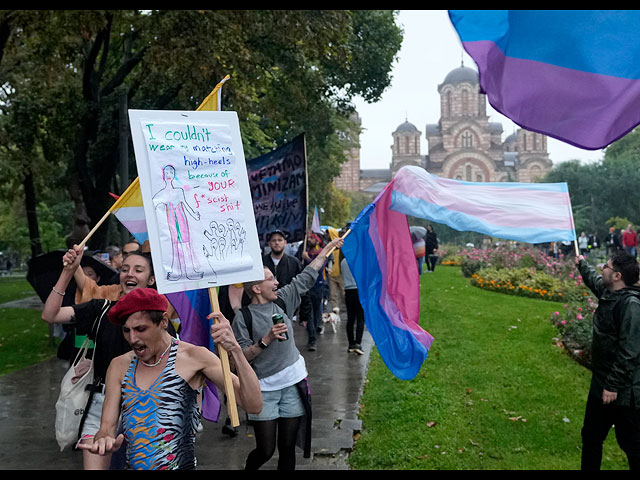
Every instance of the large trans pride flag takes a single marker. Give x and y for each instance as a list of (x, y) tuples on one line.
[(380, 253), (571, 74)]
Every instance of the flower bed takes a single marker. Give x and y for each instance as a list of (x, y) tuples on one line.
[(528, 272)]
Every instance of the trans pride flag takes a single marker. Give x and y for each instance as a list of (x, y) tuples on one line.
[(571, 74), (380, 253)]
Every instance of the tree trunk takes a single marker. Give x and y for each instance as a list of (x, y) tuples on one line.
[(32, 216)]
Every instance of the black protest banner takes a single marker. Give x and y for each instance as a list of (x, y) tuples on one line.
[(278, 183)]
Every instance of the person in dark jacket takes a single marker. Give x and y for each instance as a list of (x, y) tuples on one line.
[(283, 266), (614, 393), (431, 247)]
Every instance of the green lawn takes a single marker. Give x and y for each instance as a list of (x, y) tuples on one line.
[(24, 337), (495, 392), (13, 287)]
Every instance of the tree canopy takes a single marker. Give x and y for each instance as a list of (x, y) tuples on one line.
[(66, 77)]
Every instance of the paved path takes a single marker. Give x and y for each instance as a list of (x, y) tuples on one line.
[(28, 397)]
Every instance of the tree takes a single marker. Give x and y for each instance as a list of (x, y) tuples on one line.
[(292, 71)]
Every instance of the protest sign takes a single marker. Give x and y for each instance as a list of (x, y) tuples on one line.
[(278, 183), (196, 196)]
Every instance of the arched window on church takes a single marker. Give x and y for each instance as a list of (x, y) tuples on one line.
[(469, 173), (407, 150), (448, 104), (467, 139), (416, 146), (479, 178)]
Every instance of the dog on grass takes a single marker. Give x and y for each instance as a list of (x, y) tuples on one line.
[(332, 318)]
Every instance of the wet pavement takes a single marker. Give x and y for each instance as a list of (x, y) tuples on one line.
[(336, 377)]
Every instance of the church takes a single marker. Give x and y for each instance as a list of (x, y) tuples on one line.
[(463, 145)]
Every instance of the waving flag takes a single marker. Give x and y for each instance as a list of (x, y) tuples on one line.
[(315, 223), (129, 210), (571, 74), (526, 212), (380, 253)]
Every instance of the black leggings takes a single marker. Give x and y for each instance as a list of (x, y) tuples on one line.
[(355, 316), (285, 430)]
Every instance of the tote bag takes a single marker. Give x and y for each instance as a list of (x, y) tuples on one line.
[(74, 395)]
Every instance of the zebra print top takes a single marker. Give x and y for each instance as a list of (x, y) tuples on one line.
[(160, 423)]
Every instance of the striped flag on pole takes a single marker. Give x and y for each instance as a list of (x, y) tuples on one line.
[(315, 223), (380, 253)]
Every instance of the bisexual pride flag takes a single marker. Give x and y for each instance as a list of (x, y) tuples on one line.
[(192, 307), (571, 74), (380, 253)]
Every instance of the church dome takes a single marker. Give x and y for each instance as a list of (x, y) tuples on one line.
[(461, 75), (406, 127)]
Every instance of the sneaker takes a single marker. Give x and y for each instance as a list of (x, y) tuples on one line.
[(351, 348), (312, 347), (358, 349)]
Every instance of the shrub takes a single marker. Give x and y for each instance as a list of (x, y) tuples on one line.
[(575, 325)]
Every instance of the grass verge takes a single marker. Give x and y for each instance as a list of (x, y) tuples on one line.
[(495, 392), (24, 337)]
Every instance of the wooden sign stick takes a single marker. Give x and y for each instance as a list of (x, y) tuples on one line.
[(232, 407)]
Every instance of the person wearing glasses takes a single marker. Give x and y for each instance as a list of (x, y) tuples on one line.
[(614, 393)]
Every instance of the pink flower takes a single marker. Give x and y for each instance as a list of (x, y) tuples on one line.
[(168, 437), (556, 313), (171, 457), (579, 317)]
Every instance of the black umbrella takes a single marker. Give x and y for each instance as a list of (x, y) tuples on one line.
[(44, 270)]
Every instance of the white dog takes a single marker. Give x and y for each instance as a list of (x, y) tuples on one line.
[(332, 318)]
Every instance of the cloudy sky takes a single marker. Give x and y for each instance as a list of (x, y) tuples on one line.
[(430, 50)]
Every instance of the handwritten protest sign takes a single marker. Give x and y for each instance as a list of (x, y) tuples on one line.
[(196, 197), (278, 183)]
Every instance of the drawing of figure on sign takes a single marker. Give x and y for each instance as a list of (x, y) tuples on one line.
[(226, 241), (176, 207)]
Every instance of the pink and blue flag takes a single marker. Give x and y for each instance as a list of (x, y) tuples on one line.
[(380, 254), (381, 258), (571, 74)]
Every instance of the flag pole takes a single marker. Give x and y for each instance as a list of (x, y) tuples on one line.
[(573, 225), (106, 215), (342, 238), (232, 407)]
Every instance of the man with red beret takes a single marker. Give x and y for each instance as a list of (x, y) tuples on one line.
[(159, 377)]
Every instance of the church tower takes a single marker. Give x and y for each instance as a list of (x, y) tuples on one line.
[(406, 147)]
